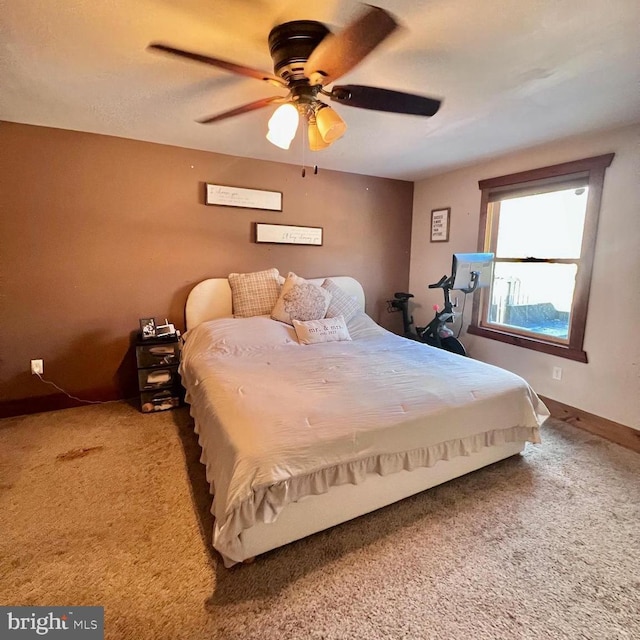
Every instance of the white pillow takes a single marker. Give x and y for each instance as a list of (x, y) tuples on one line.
[(342, 304), (238, 334), (254, 294), (324, 330), (300, 300)]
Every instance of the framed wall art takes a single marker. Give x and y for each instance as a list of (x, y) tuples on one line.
[(440, 220), (288, 234), (225, 196), (147, 328)]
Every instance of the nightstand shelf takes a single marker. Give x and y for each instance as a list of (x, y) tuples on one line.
[(158, 378)]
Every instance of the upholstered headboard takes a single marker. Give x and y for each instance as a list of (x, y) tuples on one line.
[(211, 299)]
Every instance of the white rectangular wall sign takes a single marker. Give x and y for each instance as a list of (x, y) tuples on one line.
[(288, 234), (222, 195)]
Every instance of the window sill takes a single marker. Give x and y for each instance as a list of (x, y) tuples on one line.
[(530, 343)]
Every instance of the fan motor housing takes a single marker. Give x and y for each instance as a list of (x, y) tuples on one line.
[(291, 44)]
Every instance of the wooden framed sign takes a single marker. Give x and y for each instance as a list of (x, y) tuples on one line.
[(440, 219), (288, 234), (225, 196)]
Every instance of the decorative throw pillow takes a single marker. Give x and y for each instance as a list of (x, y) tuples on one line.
[(342, 304), (324, 330), (300, 300), (254, 294)]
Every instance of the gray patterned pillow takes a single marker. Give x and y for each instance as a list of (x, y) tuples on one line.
[(300, 300), (342, 304), (254, 294)]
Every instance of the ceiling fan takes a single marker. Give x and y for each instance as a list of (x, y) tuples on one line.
[(307, 57)]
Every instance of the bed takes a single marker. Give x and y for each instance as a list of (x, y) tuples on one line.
[(298, 438)]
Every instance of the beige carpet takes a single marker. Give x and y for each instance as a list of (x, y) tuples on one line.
[(105, 506)]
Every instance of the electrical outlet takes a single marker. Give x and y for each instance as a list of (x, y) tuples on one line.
[(37, 367), (557, 373)]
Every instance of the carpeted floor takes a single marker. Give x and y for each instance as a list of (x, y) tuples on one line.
[(105, 506)]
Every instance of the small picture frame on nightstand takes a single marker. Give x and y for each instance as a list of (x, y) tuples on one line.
[(147, 328)]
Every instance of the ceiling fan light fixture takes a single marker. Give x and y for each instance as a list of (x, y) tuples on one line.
[(316, 141), (307, 57), (330, 125), (283, 125)]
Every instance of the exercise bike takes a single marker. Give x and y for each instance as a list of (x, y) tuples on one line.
[(469, 271), (436, 333)]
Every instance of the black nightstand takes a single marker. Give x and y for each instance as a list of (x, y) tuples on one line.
[(158, 378)]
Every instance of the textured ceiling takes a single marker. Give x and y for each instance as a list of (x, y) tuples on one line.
[(512, 74)]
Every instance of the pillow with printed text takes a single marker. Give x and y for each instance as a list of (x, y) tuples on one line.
[(324, 330)]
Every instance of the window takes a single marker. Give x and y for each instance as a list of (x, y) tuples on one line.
[(541, 225)]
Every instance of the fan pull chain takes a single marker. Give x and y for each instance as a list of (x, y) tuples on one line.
[(304, 170), (304, 167), (315, 170)]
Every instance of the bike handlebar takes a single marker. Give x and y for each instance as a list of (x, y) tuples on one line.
[(440, 283)]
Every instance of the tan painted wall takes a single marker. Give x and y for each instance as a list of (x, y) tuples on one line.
[(97, 231), (609, 385)]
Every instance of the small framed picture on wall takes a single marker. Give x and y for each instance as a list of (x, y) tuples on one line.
[(440, 220)]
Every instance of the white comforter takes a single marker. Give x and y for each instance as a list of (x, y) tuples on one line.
[(278, 420)]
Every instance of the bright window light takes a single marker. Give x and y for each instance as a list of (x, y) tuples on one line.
[(541, 225)]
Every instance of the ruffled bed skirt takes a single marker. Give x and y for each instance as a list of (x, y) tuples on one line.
[(266, 503)]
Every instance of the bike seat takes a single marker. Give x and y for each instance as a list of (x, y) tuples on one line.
[(402, 296)]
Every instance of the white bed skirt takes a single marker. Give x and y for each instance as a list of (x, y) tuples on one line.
[(345, 502)]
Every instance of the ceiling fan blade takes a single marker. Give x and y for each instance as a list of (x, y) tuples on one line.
[(245, 108), (221, 64), (385, 100), (339, 53)]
